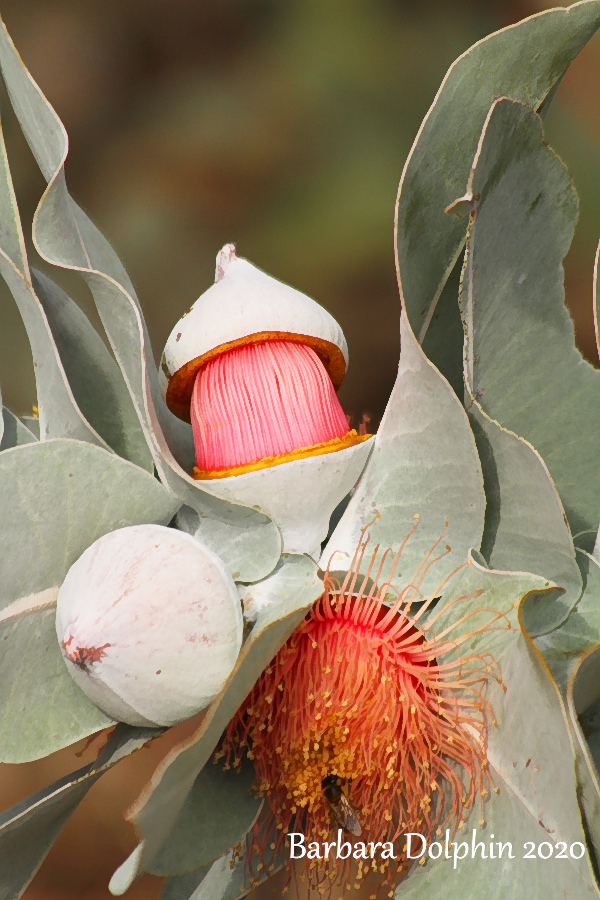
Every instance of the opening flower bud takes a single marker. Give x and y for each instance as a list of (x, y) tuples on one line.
[(261, 401), (150, 624), (255, 365)]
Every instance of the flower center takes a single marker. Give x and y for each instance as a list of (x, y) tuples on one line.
[(262, 400)]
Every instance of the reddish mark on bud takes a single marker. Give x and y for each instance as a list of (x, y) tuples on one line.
[(83, 657)]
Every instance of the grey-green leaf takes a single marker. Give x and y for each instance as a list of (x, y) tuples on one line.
[(28, 830), (56, 498), (32, 423), (225, 879), (41, 707), (65, 237), (523, 61), (524, 367), (248, 542), (572, 655), (424, 467), (525, 527), (531, 762), (229, 877), (60, 415), (93, 375), (563, 647), (507, 820), (280, 602), (182, 887), (14, 432), (518, 347), (218, 812)]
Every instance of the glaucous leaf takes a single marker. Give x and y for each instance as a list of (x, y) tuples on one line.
[(523, 373), (218, 812), (13, 432), (245, 544), (524, 367), (223, 880), (524, 61), (182, 887), (56, 498), (531, 764), (571, 653), (60, 415), (507, 819), (596, 297), (65, 237), (425, 467), (33, 424), (525, 526), (282, 601), (228, 878), (28, 830), (564, 647), (93, 375)]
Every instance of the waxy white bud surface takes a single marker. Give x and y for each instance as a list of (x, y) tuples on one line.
[(150, 624), (243, 302)]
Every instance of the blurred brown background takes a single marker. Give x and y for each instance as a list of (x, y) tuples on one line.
[(281, 125)]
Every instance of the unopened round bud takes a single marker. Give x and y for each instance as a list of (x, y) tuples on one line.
[(150, 624)]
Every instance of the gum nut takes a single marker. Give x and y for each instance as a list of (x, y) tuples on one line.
[(150, 624), (244, 305)]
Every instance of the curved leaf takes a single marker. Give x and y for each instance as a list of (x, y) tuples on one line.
[(524, 367), (572, 655), (218, 812), (596, 297), (520, 360), (424, 466), (93, 375), (247, 544), (32, 423), (182, 887), (13, 432), (525, 524), (507, 820), (524, 61), (28, 830), (227, 878), (65, 237), (282, 600), (60, 415), (56, 498), (531, 764)]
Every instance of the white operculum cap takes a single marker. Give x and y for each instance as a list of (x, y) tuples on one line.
[(254, 365), (150, 624)]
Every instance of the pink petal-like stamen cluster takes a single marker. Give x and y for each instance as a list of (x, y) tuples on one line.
[(262, 400)]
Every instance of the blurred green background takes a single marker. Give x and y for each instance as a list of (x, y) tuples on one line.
[(281, 125)]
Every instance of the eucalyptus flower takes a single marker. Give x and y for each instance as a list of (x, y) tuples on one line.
[(255, 365), (369, 691)]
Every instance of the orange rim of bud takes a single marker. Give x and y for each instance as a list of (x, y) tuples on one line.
[(181, 383), (348, 440)]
